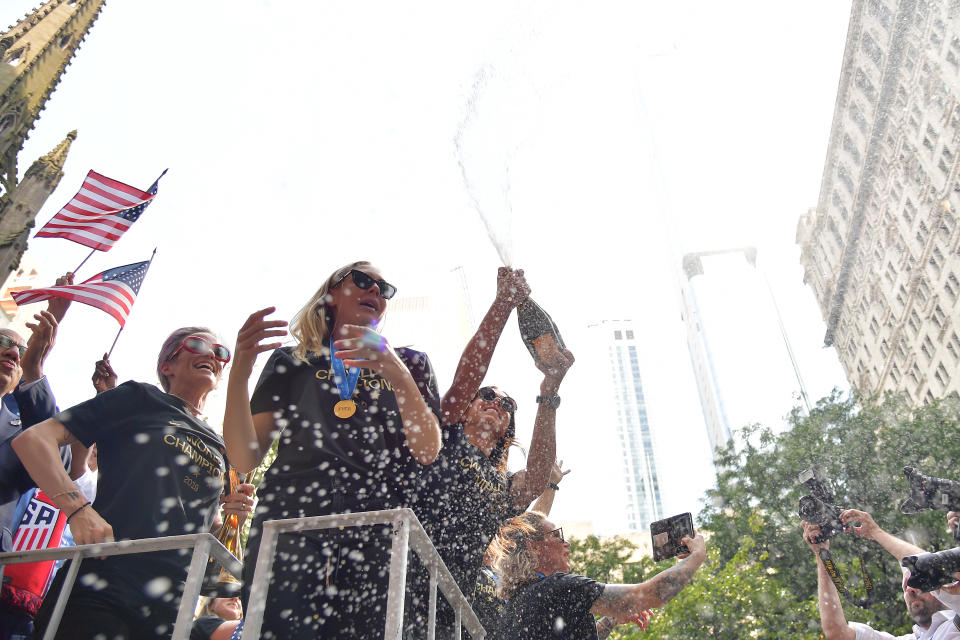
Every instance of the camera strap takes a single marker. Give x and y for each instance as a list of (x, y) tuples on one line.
[(837, 579)]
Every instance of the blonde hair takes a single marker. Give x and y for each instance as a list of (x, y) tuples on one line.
[(513, 562), (205, 608), (311, 326)]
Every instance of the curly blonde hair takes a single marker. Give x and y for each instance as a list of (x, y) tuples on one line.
[(513, 562), (312, 324)]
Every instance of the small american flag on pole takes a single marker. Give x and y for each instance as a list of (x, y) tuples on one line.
[(100, 212), (112, 291)]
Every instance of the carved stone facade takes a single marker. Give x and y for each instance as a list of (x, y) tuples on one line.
[(880, 250), (34, 53)]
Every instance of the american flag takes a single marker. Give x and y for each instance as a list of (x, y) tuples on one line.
[(112, 291), (100, 212)]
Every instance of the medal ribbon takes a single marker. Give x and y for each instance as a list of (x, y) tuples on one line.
[(346, 382)]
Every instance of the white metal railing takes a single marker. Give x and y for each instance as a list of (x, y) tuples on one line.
[(204, 545), (407, 533)]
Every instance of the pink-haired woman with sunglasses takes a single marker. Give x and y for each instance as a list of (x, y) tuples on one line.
[(356, 419), (161, 474), (466, 495)]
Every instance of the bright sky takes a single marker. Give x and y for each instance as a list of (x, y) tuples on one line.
[(601, 141)]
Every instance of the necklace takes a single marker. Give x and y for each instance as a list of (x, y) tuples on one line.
[(189, 405)]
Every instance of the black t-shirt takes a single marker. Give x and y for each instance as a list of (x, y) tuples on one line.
[(204, 626), (161, 474), (486, 603), (462, 501), (556, 607), (326, 464)]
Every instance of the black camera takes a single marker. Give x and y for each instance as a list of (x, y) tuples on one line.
[(929, 571), (817, 508), (927, 492)]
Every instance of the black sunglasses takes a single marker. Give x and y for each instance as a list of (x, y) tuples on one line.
[(6, 342), (489, 394), (556, 533), (364, 281)]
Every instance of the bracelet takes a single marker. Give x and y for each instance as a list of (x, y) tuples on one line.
[(78, 510), (63, 493), (554, 486)]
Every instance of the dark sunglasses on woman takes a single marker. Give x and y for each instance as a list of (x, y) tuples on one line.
[(364, 281), (200, 346), (489, 395)]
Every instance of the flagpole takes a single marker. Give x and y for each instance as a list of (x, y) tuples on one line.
[(110, 352), (84, 261)]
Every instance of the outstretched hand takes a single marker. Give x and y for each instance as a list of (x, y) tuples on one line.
[(557, 472), (250, 340), (512, 287), (58, 306), (811, 533), (362, 347), (42, 338), (867, 527), (104, 377)]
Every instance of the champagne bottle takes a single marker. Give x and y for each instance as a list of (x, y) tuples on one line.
[(229, 537), (538, 331)]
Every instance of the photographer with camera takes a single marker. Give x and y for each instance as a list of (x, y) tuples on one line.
[(932, 622)]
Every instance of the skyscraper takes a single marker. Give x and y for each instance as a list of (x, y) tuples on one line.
[(741, 357), (637, 444), (880, 250)]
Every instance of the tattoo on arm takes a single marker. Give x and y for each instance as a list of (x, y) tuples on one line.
[(73, 495), (670, 582)]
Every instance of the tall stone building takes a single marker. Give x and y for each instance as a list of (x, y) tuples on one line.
[(880, 251), (34, 53)]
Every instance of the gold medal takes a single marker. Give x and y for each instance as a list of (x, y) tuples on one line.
[(345, 408)]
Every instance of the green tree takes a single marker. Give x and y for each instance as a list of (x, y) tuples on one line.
[(862, 448)]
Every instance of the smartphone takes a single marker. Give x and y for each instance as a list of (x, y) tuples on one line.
[(666, 535)]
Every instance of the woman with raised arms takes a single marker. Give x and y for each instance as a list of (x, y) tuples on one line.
[(467, 494), (356, 419)]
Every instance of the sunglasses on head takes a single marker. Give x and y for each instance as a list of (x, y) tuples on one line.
[(488, 394), (556, 533), (364, 281), (201, 346), (7, 342)]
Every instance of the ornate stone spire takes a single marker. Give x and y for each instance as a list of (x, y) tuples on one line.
[(33, 55)]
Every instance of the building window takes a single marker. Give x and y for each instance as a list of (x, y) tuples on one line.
[(851, 148), (874, 326), (938, 317), (915, 374), (953, 53), (884, 349), (936, 260), (629, 334), (909, 211), (895, 374), (618, 335), (891, 275), (844, 174), (863, 83), (914, 322), (941, 375), (872, 49), (930, 139), (953, 346), (923, 290), (922, 233), (856, 114), (927, 348), (947, 224), (879, 10), (952, 286)]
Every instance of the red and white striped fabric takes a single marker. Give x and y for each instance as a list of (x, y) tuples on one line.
[(100, 212), (112, 291)]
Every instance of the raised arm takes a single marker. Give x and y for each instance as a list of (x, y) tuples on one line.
[(869, 529), (38, 450), (530, 482), (248, 436), (625, 602), (545, 502), (512, 289), (832, 618)]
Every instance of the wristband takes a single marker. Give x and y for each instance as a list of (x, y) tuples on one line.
[(78, 510), (554, 486)]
